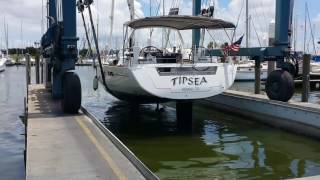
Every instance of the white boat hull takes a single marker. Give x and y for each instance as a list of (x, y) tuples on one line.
[(144, 83), (250, 75), (2, 65), (314, 67)]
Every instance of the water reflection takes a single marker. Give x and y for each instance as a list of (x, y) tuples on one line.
[(12, 93), (221, 146)]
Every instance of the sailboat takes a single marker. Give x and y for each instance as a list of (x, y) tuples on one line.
[(246, 71), (112, 54), (5, 58), (3, 61), (152, 75), (246, 68)]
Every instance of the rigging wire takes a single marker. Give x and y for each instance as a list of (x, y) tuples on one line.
[(260, 21), (264, 15), (175, 3), (311, 29), (238, 20), (159, 7), (255, 30), (158, 11), (220, 38), (212, 37)]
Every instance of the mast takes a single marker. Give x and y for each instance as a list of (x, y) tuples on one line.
[(249, 29), (247, 23), (42, 20), (132, 12), (196, 10), (7, 38), (150, 14), (21, 34), (98, 19), (131, 8), (111, 24), (305, 29), (5, 34), (295, 33), (163, 30)]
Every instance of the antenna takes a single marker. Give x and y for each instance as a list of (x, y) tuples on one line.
[(247, 23), (111, 25)]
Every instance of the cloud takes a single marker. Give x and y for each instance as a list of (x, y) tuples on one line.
[(101, 10), (261, 14), (17, 12), (28, 15)]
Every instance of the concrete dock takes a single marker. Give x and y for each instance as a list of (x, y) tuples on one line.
[(298, 117), (63, 146)]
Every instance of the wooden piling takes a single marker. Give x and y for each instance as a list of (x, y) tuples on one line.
[(271, 66), (257, 80), (306, 78), (37, 70), (28, 69), (41, 70)]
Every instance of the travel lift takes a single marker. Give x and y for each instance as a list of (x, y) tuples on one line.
[(60, 53), (59, 49), (280, 83)]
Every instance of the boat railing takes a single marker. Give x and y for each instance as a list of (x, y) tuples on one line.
[(196, 55)]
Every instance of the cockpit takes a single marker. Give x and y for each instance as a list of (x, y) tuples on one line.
[(142, 48)]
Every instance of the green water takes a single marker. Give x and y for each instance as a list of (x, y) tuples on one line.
[(220, 146)]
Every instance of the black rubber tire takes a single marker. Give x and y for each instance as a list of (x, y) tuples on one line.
[(291, 68), (280, 85), (71, 101)]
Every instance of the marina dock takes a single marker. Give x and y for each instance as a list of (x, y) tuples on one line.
[(131, 105), (298, 117), (63, 146)]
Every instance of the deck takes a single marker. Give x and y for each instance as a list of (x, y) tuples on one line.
[(63, 146)]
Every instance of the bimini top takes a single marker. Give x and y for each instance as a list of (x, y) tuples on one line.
[(180, 22)]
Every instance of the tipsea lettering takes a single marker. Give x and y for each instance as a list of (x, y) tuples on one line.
[(197, 81)]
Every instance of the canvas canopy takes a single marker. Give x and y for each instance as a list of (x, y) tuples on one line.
[(180, 22)]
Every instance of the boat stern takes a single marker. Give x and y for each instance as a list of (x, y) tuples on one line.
[(185, 82)]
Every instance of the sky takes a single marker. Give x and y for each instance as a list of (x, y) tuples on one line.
[(26, 15)]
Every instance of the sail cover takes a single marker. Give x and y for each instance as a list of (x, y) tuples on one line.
[(180, 22)]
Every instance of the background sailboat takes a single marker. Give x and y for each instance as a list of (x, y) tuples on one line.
[(245, 69), (3, 61)]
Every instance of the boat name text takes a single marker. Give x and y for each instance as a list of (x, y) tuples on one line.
[(189, 81)]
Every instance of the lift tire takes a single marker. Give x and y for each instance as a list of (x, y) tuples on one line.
[(291, 68), (280, 85), (71, 101)]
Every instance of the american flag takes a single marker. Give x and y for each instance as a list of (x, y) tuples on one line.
[(235, 47)]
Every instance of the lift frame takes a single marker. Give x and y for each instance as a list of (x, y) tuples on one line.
[(59, 50), (277, 53)]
